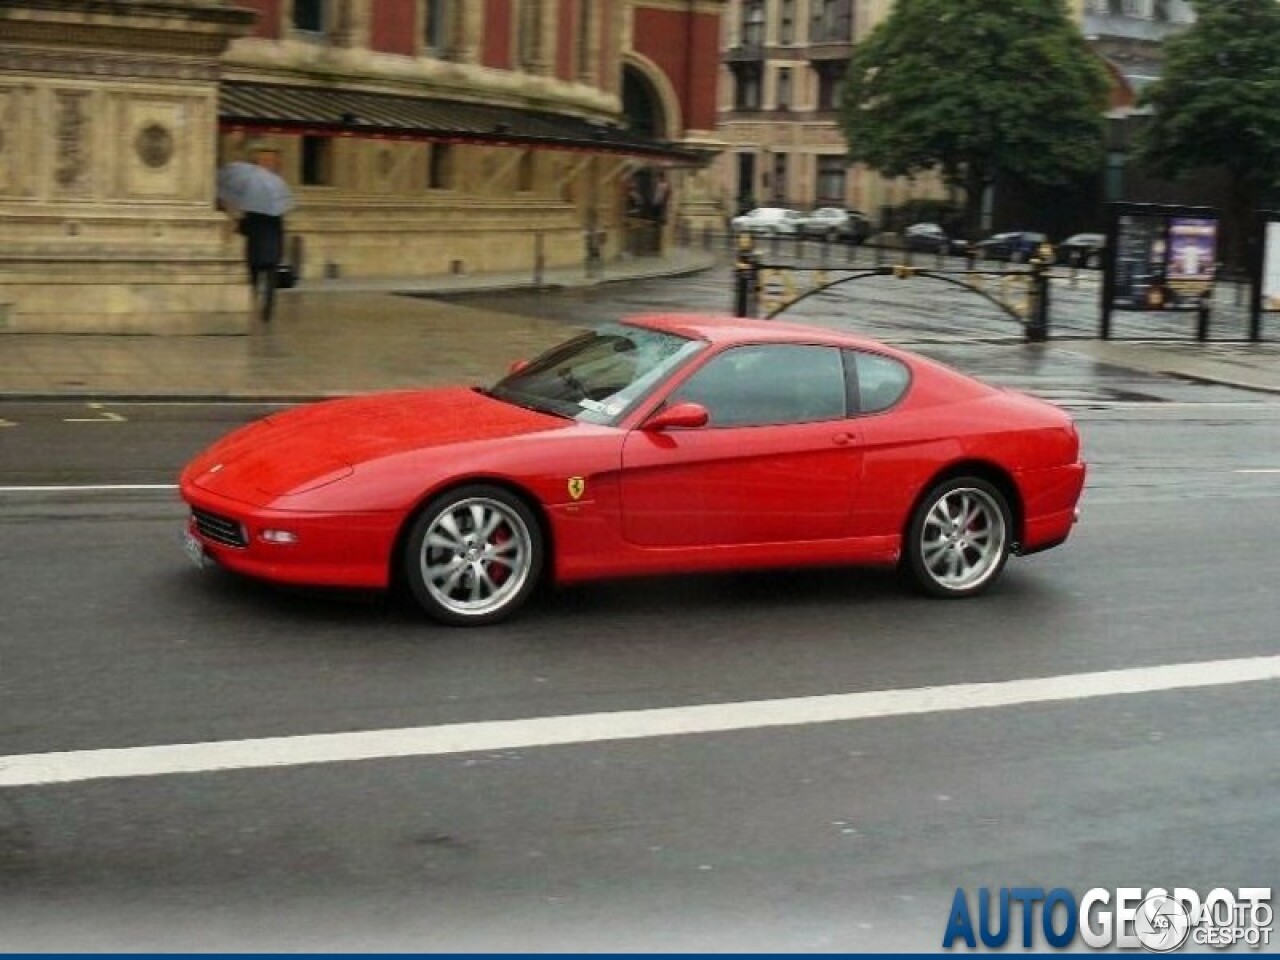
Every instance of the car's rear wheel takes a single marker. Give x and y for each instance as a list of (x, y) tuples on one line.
[(959, 538), (473, 555)]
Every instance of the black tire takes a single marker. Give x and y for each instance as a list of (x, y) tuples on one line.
[(473, 555), (959, 538)]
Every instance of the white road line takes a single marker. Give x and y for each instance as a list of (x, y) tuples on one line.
[(1260, 470), (89, 488), (73, 766)]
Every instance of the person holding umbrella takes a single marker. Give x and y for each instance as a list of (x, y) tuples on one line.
[(262, 199)]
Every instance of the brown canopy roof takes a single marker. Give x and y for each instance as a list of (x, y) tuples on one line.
[(322, 111)]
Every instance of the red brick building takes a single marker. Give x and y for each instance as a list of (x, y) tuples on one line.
[(420, 137), (426, 136)]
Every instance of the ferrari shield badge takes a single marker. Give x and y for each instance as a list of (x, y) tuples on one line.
[(577, 486)]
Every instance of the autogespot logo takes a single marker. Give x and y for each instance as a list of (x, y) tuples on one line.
[(1162, 923), (1130, 918)]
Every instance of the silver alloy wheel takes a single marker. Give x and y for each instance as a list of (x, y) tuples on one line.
[(476, 556), (963, 539)]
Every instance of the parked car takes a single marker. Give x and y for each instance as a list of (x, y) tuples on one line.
[(659, 444), (931, 238), (1018, 246), (768, 220), (1083, 249), (836, 224)]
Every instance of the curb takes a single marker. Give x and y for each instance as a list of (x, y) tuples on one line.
[(261, 399), (507, 286)]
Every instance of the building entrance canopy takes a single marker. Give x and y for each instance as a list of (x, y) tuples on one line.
[(315, 111)]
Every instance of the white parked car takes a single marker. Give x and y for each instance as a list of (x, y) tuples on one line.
[(768, 220)]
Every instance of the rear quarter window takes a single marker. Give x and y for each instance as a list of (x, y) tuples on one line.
[(880, 381)]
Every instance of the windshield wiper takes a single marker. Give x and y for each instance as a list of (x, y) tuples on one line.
[(519, 400)]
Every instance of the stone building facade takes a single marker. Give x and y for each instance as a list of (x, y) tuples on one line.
[(108, 120), (419, 136), (782, 64)]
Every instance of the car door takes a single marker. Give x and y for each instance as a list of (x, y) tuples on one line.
[(777, 461)]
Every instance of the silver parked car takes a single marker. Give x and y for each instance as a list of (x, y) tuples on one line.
[(836, 224)]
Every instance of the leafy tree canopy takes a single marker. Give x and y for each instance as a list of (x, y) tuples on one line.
[(1218, 101), (978, 89)]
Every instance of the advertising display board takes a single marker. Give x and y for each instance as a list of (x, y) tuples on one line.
[(1161, 258), (1264, 270), (1139, 262), (1192, 258), (1271, 266)]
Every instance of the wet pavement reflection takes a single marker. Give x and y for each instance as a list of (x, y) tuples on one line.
[(940, 321)]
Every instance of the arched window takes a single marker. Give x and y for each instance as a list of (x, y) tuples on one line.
[(586, 41), (309, 16), (530, 41), (437, 35)]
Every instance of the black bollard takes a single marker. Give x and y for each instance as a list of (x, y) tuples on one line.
[(1203, 310)]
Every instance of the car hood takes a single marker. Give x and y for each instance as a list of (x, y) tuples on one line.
[(310, 446)]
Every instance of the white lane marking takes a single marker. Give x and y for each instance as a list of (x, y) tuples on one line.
[(89, 487), (73, 766), (219, 403), (104, 416), (1260, 470)]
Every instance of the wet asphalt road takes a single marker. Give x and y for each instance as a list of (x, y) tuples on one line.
[(839, 836)]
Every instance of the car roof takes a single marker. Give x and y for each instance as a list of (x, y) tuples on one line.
[(723, 329)]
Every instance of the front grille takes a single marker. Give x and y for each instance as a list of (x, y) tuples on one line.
[(219, 529)]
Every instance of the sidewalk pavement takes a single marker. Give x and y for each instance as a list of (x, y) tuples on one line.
[(1249, 366), (327, 338), (338, 337)]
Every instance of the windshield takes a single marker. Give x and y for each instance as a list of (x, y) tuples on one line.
[(598, 376)]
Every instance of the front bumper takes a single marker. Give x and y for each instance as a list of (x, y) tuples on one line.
[(348, 549)]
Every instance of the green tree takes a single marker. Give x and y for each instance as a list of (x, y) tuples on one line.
[(1217, 104), (979, 90)]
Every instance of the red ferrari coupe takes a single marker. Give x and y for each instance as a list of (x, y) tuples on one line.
[(660, 444)]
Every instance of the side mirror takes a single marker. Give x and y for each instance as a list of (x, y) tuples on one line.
[(517, 366), (682, 415)]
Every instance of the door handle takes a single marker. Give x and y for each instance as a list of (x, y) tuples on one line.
[(844, 438)]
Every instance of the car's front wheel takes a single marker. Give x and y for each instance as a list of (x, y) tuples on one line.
[(959, 538), (473, 555)]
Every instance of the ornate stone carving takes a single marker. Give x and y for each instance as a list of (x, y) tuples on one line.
[(105, 65), (154, 145), (71, 152)]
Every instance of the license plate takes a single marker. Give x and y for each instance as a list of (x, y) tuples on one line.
[(194, 549)]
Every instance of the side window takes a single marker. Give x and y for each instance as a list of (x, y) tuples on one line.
[(760, 385), (879, 382)]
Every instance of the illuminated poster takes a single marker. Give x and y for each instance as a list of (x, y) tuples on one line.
[(1193, 248), (1140, 260), (1165, 261), (1271, 268)]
